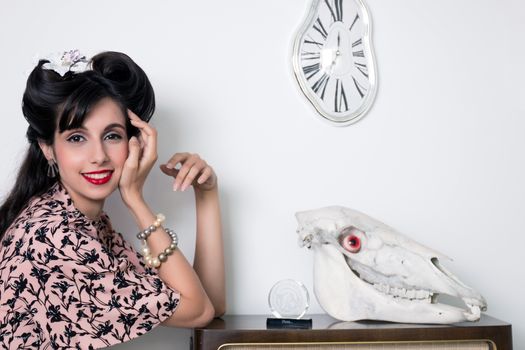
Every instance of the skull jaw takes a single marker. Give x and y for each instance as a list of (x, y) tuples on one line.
[(346, 297)]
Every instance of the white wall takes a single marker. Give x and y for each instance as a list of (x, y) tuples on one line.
[(439, 156)]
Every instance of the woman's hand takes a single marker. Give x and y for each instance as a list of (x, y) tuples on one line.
[(142, 156), (193, 171)]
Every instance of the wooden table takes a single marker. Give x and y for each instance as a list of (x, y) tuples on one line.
[(239, 332)]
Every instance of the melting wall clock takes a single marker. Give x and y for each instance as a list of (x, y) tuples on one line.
[(333, 60)]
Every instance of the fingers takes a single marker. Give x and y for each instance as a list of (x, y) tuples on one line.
[(205, 175), (134, 153), (148, 137), (140, 124), (186, 172), (192, 168), (169, 171), (192, 173), (131, 164), (176, 159)]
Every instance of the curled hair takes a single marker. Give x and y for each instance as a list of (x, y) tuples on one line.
[(53, 102)]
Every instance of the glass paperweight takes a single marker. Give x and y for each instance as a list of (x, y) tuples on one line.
[(288, 299)]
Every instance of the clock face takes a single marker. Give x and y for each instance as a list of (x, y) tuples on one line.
[(333, 60)]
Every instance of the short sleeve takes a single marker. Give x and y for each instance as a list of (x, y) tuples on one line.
[(68, 282), (121, 248), (102, 294)]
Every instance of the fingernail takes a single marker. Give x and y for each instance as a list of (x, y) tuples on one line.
[(169, 166), (183, 188)]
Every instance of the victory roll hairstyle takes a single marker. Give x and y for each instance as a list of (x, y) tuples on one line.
[(54, 101)]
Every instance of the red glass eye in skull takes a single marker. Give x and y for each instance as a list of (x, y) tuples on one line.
[(350, 239)]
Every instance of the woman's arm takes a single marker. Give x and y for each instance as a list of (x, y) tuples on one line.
[(195, 307), (209, 252)]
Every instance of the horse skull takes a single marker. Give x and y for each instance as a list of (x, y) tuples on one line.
[(364, 269)]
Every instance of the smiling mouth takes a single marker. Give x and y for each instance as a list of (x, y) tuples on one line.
[(98, 177)]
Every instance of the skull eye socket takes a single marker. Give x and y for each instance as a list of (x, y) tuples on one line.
[(351, 243), (351, 239)]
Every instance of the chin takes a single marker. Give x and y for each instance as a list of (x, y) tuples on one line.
[(92, 192), (102, 192)]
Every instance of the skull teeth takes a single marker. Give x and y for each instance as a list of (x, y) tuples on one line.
[(474, 310), (412, 294)]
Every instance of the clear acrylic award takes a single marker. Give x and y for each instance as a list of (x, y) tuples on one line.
[(288, 299)]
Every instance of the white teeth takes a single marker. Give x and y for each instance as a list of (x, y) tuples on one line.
[(474, 314), (382, 288), (398, 292), (98, 176), (417, 294), (475, 310), (422, 294)]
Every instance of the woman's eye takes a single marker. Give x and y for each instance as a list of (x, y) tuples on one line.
[(113, 136), (75, 138)]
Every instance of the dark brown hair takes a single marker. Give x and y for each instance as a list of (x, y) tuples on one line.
[(52, 102)]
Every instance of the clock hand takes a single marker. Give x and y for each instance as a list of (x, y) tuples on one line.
[(338, 52)]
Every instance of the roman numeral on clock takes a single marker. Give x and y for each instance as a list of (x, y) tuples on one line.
[(339, 10), (310, 40), (362, 68), (305, 55), (357, 42), (321, 84), (359, 53), (340, 97), (360, 88), (320, 28), (355, 20), (312, 70), (337, 15)]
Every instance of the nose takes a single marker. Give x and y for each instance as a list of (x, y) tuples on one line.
[(98, 154)]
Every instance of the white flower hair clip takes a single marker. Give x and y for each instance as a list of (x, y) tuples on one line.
[(66, 61)]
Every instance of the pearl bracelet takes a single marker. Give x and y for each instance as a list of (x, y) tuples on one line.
[(162, 257), (144, 234)]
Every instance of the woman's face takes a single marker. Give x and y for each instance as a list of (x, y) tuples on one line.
[(90, 159)]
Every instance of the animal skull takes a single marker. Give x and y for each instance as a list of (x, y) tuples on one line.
[(364, 269)]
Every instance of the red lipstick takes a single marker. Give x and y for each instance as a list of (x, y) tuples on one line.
[(98, 177)]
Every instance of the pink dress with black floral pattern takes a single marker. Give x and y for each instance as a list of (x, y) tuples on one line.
[(68, 282)]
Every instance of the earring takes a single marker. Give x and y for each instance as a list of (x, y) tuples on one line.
[(52, 168)]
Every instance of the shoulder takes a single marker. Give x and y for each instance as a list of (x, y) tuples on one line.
[(52, 219), (44, 210), (49, 206)]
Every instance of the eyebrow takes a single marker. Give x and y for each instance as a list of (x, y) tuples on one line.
[(109, 127), (114, 125)]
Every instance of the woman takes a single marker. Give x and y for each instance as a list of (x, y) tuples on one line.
[(67, 279)]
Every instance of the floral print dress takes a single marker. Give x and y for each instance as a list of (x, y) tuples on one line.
[(68, 282)]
